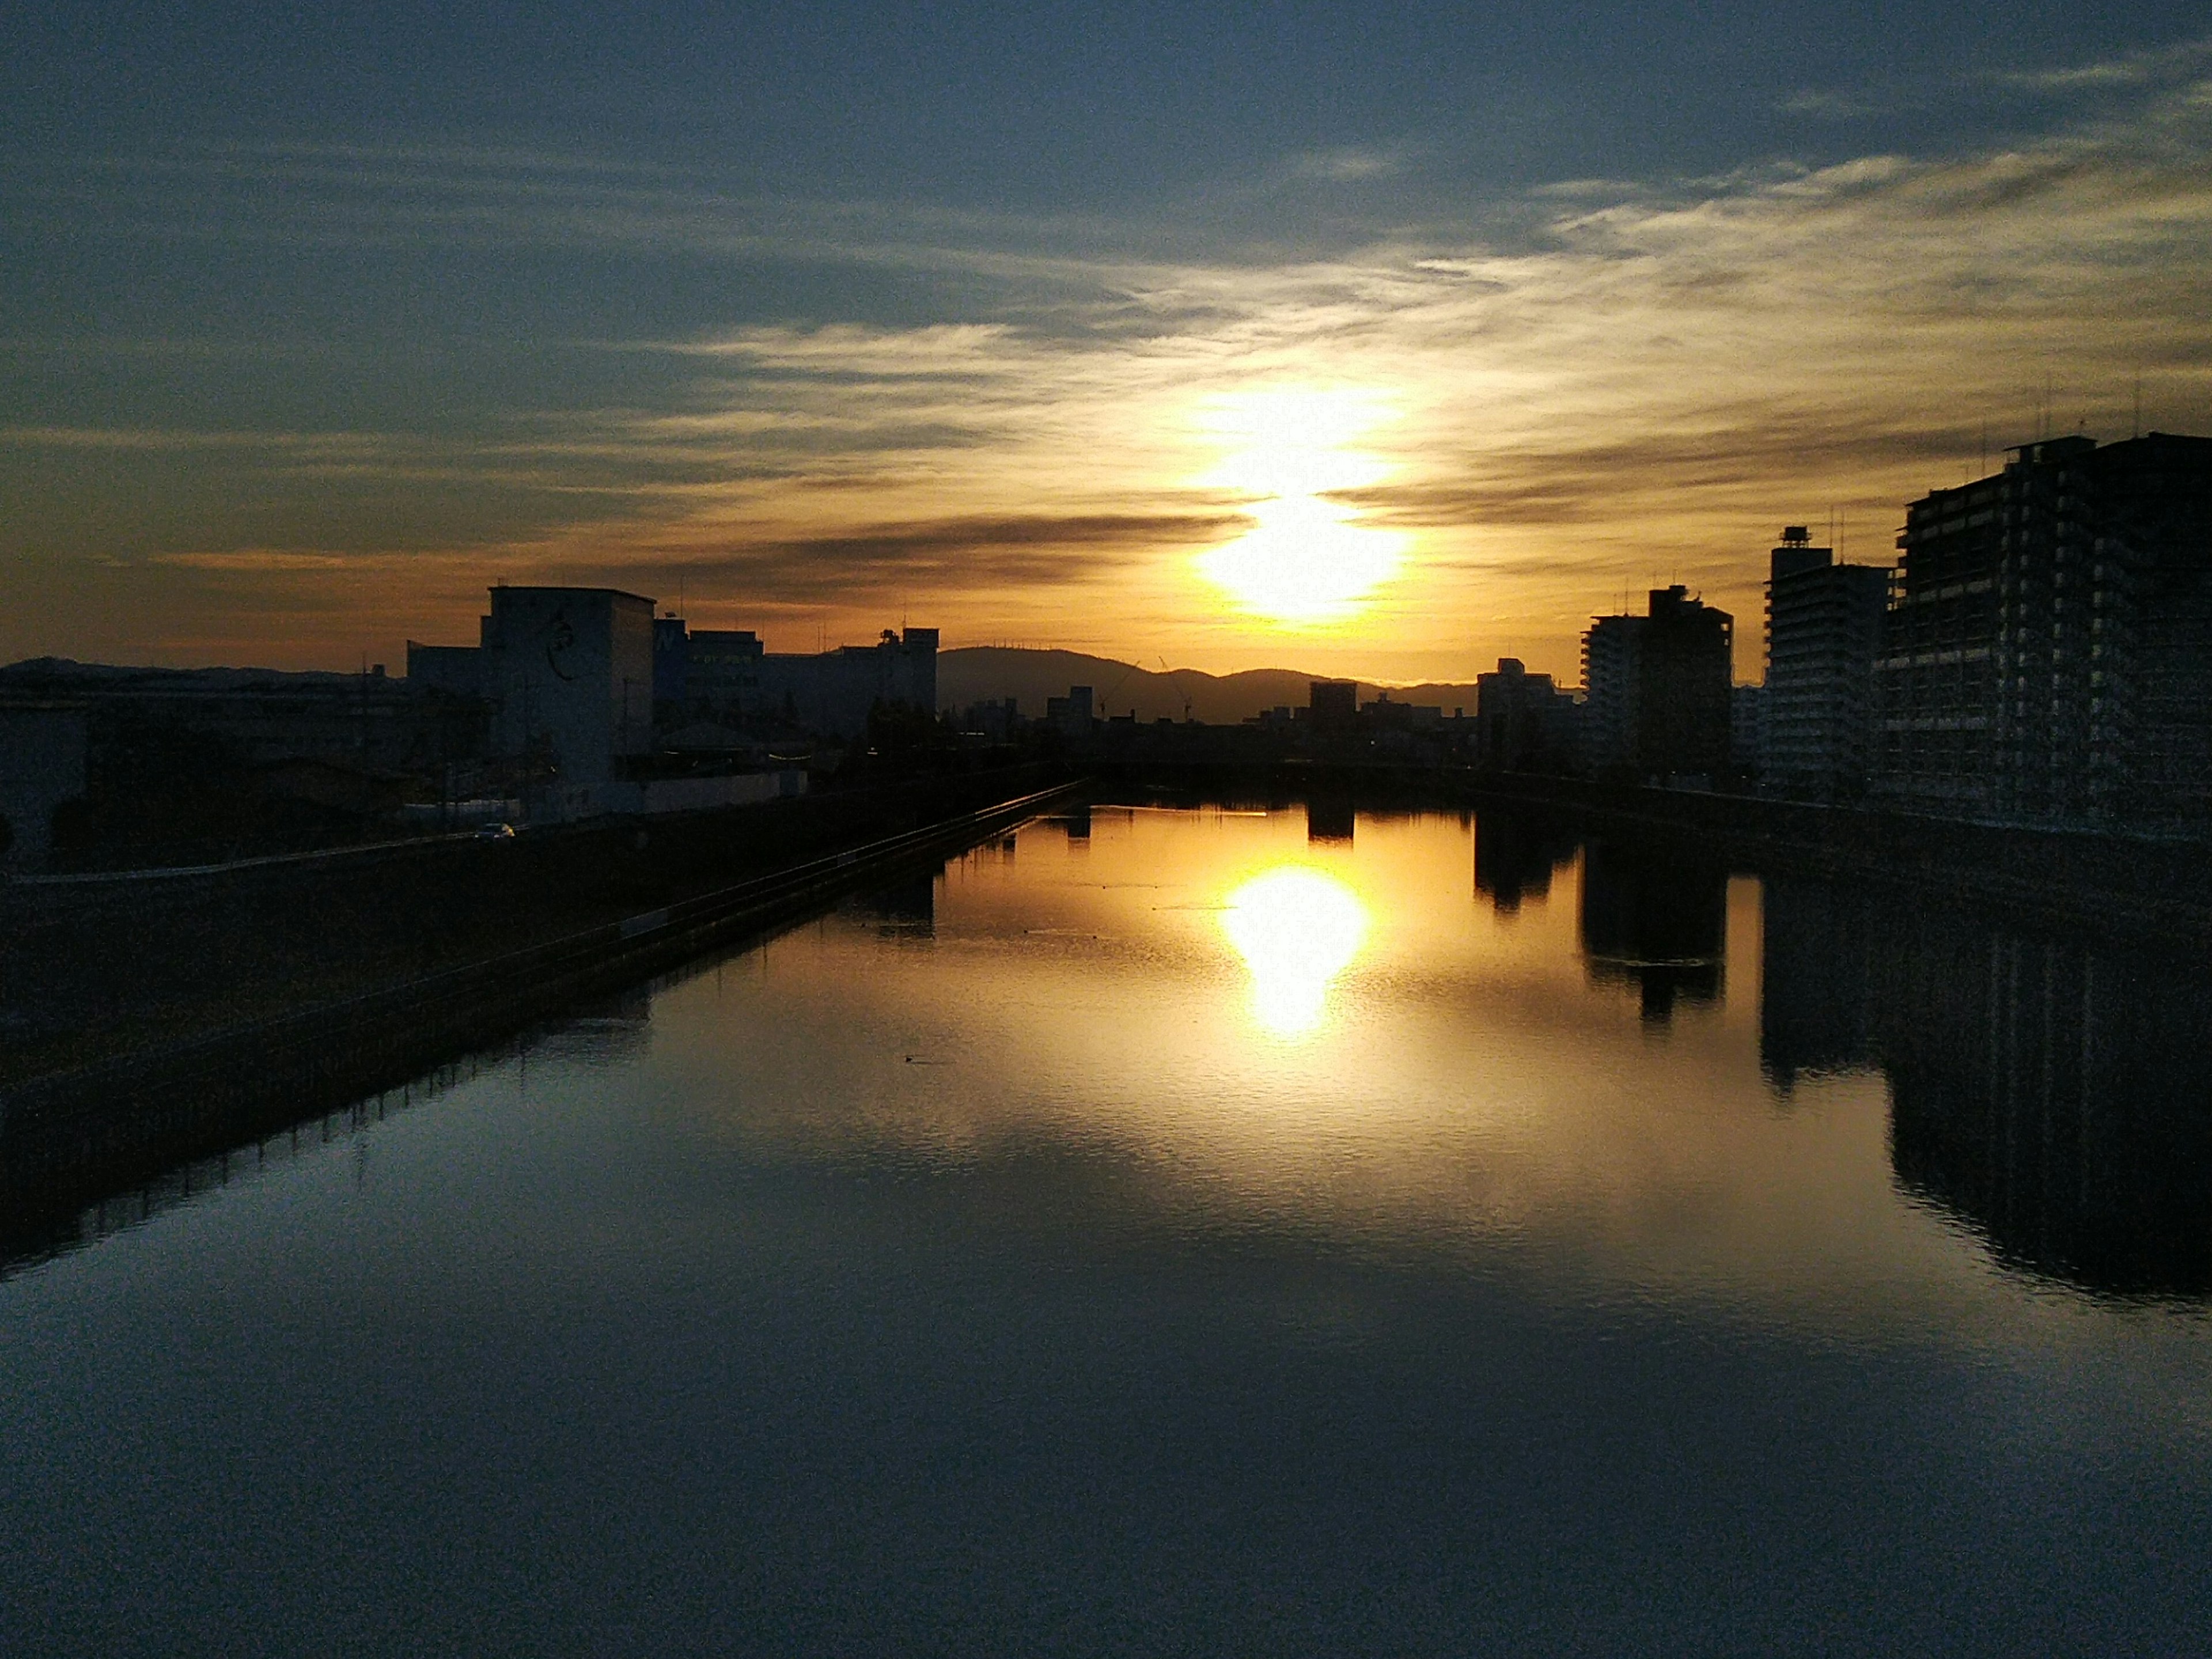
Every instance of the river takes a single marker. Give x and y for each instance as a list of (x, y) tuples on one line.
[(1188, 1230)]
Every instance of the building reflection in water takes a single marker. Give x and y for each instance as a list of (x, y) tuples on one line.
[(610, 1032), (2051, 1093), (907, 906), (1515, 858), (1656, 921), (1330, 820)]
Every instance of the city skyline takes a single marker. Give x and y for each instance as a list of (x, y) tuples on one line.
[(1388, 356)]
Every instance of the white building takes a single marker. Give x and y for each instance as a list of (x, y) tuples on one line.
[(569, 671)]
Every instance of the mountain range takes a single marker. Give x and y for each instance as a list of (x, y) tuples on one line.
[(970, 674)]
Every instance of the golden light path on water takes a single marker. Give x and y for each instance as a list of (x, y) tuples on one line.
[(1308, 561), (1296, 929)]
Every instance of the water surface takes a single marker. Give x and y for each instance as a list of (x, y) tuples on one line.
[(1190, 1232)]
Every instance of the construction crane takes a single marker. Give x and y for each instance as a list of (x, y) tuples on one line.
[(1178, 685)]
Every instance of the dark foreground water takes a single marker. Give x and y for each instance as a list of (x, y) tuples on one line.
[(1190, 1233)]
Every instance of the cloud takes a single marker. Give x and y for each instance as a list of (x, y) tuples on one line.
[(1828, 105), (2163, 66), (1641, 377), (1351, 164)]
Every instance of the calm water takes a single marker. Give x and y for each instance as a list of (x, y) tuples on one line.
[(1190, 1232)]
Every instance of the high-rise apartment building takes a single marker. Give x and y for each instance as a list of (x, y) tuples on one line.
[(1824, 631), (2048, 651), (1613, 657), (1657, 687)]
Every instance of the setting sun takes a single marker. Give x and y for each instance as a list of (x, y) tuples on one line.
[(1308, 560)]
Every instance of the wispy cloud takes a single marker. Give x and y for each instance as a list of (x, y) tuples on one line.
[(1643, 383), (2165, 66), (1350, 163)]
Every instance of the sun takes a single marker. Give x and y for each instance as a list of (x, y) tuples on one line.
[(1308, 560)]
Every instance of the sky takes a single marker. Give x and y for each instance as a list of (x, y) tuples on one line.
[(1372, 340)]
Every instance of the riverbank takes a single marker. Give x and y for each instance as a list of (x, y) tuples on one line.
[(573, 915)]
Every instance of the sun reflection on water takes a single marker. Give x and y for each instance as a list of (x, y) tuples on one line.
[(1296, 928)]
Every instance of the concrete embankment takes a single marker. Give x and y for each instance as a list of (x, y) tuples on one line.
[(576, 915)]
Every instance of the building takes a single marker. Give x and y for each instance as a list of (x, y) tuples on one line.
[(570, 672), (1613, 657), (453, 670), (2048, 650), (722, 675), (728, 676), (998, 718), (258, 717), (1071, 716), (1333, 707), (671, 663), (1824, 630), (1747, 728), (43, 747), (1656, 688), (1523, 722), (833, 693)]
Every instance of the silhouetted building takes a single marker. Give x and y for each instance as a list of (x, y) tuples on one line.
[(261, 716), (672, 669), (1656, 688), (729, 677), (1824, 631), (2049, 650), (999, 719), (43, 750), (1523, 722), (722, 675), (1613, 657), (1334, 706), (1071, 716), (1747, 728), (832, 694), (453, 670)]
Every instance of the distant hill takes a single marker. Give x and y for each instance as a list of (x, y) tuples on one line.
[(977, 673), (64, 675)]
